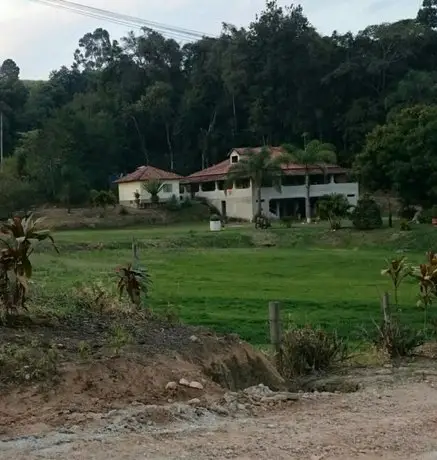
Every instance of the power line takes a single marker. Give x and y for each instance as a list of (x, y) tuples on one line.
[(123, 19)]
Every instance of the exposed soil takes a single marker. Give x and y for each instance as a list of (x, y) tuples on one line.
[(110, 405), (115, 368)]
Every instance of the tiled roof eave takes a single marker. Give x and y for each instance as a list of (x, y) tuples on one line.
[(287, 172)]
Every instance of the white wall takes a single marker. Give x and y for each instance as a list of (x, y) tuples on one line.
[(126, 192), (241, 203), (350, 190)]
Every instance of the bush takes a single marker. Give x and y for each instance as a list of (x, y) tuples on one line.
[(123, 211), (404, 226), (173, 204), (307, 350), (15, 195), (396, 340), (366, 215), (333, 208), (287, 221), (186, 203), (427, 215), (407, 213)]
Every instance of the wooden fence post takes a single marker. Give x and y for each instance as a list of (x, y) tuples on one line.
[(134, 253), (385, 308), (275, 326)]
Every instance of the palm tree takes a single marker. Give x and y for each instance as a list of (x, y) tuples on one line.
[(259, 167), (315, 154), (153, 187)]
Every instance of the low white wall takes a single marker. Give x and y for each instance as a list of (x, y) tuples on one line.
[(126, 192)]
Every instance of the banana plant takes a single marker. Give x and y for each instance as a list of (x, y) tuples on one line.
[(19, 237), (133, 282)]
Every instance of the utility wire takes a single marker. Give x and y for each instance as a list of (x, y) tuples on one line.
[(123, 19)]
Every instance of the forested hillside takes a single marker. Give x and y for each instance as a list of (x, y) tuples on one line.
[(145, 99)]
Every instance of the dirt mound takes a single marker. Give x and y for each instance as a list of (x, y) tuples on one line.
[(156, 366)]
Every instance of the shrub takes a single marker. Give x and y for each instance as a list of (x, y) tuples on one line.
[(262, 221), (366, 215), (307, 350), (173, 204), (333, 208), (103, 199), (427, 215), (15, 195), (404, 226), (186, 203), (407, 213), (123, 211), (287, 221), (397, 340)]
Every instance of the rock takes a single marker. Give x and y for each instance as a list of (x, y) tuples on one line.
[(171, 386), (220, 410), (194, 339), (184, 382), (194, 402), (196, 385)]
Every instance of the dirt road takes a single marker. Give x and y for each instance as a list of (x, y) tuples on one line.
[(396, 423)]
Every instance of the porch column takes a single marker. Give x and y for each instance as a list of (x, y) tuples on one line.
[(278, 209)]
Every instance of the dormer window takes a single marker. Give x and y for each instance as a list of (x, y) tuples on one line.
[(234, 159)]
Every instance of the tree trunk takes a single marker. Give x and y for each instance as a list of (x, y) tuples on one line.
[(307, 199), (234, 110), (170, 147), (259, 203)]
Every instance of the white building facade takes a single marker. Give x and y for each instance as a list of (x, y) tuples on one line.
[(134, 182), (240, 200)]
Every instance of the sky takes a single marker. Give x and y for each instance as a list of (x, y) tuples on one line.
[(41, 38)]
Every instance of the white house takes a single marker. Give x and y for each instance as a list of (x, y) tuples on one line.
[(132, 183), (240, 200)]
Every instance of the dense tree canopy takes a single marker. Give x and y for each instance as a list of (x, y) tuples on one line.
[(147, 99)]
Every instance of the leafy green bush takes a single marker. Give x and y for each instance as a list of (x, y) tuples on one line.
[(15, 195), (333, 208), (367, 214), (307, 350), (404, 226)]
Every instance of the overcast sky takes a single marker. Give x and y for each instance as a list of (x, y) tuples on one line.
[(40, 38)]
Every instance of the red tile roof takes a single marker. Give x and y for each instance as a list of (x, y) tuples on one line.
[(220, 170), (145, 173)]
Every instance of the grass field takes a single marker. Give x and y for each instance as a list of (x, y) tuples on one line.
[(225, 280)]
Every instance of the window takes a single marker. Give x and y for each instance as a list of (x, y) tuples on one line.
[(242, 183), (208, 186), (234, 159), (167, 188)]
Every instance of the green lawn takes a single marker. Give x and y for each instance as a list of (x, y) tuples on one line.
[(228, 288)]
